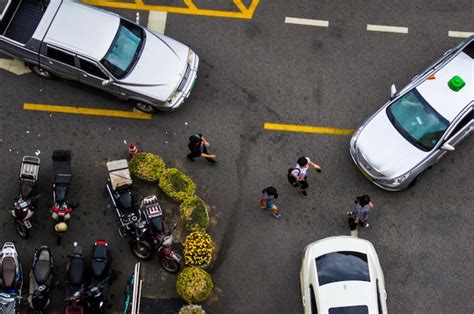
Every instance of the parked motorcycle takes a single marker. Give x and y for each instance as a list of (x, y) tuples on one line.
[(41, 275), (144, 227), (12, 279), (101, 261), (75, 277), (24, 204), (62, 176)]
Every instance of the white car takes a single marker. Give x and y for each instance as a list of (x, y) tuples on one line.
[(341, 275), (419, 124)]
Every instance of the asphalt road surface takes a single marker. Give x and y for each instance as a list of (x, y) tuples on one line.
[(252, 72)]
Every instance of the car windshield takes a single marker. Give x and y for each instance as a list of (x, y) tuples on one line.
[(358, 309), (342, 266), (417, 121), (125, 49)]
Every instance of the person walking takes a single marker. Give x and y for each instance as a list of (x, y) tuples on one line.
[(269, 195), (363, 204), (198, 146), (297, 175)]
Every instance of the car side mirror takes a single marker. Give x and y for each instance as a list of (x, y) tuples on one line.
[(107, 82), (393, 91), (447, 146)]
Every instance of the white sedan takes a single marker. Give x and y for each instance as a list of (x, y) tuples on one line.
[(342, 275)]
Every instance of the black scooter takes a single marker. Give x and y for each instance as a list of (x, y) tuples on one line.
[(24, 204), (101, 261), (41, 275), (75, 274)]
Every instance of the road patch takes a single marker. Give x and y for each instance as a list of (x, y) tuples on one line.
[(88, 111), (387, 29), (308, 22), (306, 129)]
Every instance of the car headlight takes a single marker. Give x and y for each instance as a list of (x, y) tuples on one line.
[(395, 181), (172, 96), (190, 56)]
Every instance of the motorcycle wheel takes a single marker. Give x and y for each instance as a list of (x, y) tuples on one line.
[(22, 230), (170, 266), (141, 250)]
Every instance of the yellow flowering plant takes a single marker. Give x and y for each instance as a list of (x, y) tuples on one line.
[(194, 213), (194, 285), (198, 248), (147, 166), (176, 184)]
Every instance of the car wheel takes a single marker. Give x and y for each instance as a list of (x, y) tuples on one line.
[(41, 72), (145, 107), (417, 178)]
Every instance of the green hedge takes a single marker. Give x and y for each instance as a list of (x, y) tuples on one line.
[(176, 184), (147, 166), (194, 213), (191, 309), (194, 285)]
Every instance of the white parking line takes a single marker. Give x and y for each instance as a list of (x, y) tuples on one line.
[(459, 34), (387, 29), (157, 21), (309, 22)]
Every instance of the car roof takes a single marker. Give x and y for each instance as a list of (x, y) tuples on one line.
[(343, 293), (439, 95), (83, 29)]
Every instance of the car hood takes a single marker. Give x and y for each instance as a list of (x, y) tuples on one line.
[(159, 69), (385, 149)]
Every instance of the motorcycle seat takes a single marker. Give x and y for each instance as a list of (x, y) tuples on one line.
[(60, 192), (99, 261), (8, 272), (157, 223), (42, 269), (26, 188), (126, 200), (76, 271)]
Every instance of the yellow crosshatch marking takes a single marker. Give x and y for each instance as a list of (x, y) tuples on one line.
[(88, 111), (306, 129), (243, 12)]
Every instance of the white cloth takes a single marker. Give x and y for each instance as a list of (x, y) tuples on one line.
[(300, 172)]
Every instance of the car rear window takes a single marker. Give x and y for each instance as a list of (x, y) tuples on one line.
[(359, 309), (342, 266)]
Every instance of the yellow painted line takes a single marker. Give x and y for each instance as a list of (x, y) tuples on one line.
[(306, 129), (88, 111), (244, 13)]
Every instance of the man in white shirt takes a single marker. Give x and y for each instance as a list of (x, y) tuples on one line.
[(297, 175)]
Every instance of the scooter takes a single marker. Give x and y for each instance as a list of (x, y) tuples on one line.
[(75, 275), (12, 279), (41, 275), (62, 175), (101, 261), (24, 204)]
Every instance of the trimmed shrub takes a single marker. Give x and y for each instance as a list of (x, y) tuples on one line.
[(194, 213), (198, 248), (176, 184), (194, 285), (147, 166), (191, 309)]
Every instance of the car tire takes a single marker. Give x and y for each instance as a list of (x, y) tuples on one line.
[(415, 181), (144, 107), (41, 72)]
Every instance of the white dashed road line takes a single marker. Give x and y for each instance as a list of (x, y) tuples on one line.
[(309, 22), (157, 21), (387, 29), (459, 34)]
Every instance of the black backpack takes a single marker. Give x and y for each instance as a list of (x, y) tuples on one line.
[(291, 178)]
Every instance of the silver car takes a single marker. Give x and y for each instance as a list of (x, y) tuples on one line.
[(419, 124), (75, 41)]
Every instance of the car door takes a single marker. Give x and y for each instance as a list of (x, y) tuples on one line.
[(93, 75), (60, 62)]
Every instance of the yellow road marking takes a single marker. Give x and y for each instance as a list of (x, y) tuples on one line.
[(306, 129), (88, 111), (191, 8)]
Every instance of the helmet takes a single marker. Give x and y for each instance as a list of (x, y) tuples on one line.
[(195, 138), (60, 227)]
